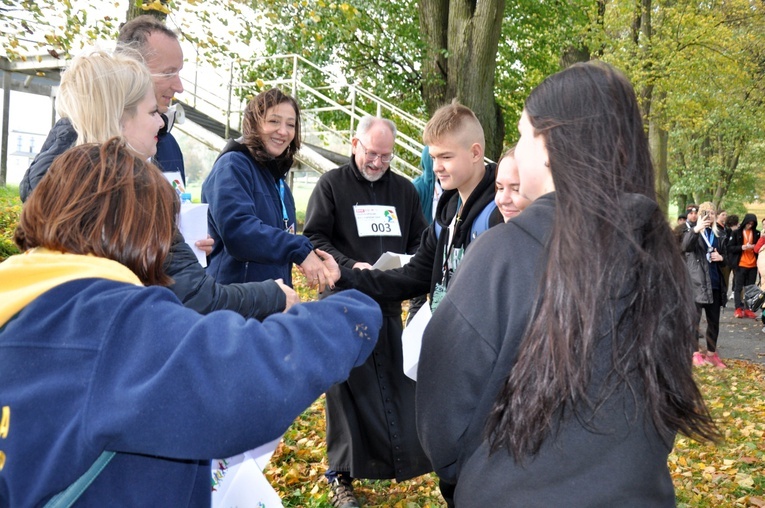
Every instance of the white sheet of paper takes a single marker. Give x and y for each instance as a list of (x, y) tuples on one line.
[(193, 226), (390, 260), (411, 340), (239, 481)]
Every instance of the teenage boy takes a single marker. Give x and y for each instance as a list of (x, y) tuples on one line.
[(456, 142)]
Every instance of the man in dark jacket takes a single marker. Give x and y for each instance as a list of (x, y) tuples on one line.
[(198, 291), (357, 212)]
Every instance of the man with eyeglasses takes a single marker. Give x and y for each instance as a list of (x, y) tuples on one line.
[(356, 213), (162, 53)]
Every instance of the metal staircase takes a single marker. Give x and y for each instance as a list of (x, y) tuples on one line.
[(330, 109)]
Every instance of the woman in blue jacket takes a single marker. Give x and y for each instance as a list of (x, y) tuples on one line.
[(93, 364), (252, 211)]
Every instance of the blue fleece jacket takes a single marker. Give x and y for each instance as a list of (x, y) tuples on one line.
[(246, 219), (94, 365), (169, 157)]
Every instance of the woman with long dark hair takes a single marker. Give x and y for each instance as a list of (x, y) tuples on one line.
[(252, 211), (557, 371)]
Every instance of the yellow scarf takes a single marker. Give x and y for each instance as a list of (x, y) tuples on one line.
[(26, 276)]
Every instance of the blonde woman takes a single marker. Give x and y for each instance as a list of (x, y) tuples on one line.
[(702, 245), (111, 94)]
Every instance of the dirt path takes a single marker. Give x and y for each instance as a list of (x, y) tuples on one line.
[(742, 339)]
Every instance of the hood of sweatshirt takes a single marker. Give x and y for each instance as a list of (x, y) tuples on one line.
[(750, 217), (482, 195), (26, 276), (277, 167)]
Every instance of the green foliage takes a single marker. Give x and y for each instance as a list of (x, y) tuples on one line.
[(10, 209), (375, 44), (698, 71), (700, 75), (534, 36)]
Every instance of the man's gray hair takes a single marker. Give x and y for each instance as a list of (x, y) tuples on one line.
[(135, 33), (369, 121)]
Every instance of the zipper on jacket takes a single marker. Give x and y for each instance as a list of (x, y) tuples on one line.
[(374, 201)]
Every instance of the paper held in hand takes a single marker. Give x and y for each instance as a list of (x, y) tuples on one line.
[(193, 226), (411, 340), (239, 480), (390, 260)]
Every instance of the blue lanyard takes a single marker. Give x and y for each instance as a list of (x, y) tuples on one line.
[(710, 237), (280, 190)]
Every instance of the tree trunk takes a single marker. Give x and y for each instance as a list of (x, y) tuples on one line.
[(658, 138), (652, 104), (434, 17), (462, 37)]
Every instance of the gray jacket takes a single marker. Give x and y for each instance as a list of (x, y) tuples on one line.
[(695, 248)]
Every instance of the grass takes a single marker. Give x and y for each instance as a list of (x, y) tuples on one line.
[(10, 209), (729, 473)]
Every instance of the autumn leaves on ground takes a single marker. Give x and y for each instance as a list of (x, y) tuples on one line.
[(729, 473)]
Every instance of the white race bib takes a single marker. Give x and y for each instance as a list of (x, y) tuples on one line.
[(376, 220)]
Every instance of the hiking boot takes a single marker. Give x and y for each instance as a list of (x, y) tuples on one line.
[(699, 359), (739, 313), (749, 314), (342, 493), (715, 360)]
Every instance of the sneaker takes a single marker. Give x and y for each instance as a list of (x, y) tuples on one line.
[(715, 360), (749, 314), (342, 493), (739, 313), (699, 359)]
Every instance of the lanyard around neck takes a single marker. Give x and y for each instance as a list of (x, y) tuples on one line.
[(708, 236), (448, 247), (280, 190)]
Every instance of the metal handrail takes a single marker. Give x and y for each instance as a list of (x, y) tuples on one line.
[(230, 105)]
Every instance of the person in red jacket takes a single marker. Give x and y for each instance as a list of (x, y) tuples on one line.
[(743, 260)]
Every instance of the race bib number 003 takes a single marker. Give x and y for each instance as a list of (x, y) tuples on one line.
[(376, 220)]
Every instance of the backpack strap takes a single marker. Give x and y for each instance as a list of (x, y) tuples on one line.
[(481, 223), (67, 497)]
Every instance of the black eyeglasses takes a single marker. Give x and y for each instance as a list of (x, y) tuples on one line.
[(692, 210), (372, 156)]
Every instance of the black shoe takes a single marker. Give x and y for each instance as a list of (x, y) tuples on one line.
[(342, 493)]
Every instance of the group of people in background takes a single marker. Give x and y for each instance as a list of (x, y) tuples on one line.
[(563, 316), (718, 248)]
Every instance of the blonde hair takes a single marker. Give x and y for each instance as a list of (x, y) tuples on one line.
[(98, 89), (705, 208), (454, 120)]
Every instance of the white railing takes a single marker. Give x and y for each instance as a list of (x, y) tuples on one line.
[(219, 99)]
